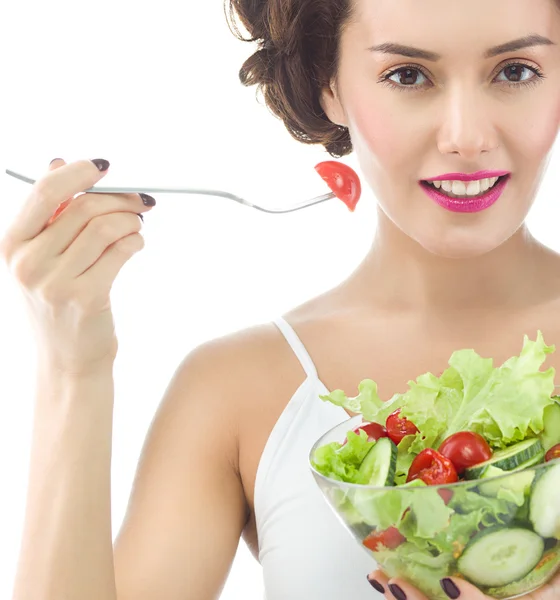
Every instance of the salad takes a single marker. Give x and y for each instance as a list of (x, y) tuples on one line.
[(457, 476)]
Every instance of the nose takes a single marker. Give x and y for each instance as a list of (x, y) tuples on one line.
[(467, 128)]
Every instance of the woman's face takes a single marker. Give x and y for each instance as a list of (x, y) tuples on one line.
[(462, 105)]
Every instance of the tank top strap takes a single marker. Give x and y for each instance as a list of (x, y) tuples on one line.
[(297, 346)]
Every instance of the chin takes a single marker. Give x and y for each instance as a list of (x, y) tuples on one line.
[(460, 245)]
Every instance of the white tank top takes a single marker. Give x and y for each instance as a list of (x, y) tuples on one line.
[(305, 552)]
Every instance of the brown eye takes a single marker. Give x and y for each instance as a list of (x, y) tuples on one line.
[(514, 73), (407, 77), (518, 73)]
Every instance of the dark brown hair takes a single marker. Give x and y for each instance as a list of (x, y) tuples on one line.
[(298, 57)]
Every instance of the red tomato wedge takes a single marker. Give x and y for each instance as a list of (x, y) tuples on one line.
[(399, 427), (446, 495), (374, 431), (342, 180), (390, 538), (465, 449), (432, 468), (553, 453)]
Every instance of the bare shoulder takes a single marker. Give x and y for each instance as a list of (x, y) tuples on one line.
[(236, 373), (237, 359)]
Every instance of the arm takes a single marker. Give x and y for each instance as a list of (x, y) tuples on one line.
[(187, 508), (66, 548)]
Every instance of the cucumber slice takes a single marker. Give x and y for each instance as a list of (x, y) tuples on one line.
[(498, 556), (380, 464), (509, 458), (544, 510), (550, 436), (414, 483), (542, 573), (519, 483)]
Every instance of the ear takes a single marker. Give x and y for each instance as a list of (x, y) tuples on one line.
[(331, 104)]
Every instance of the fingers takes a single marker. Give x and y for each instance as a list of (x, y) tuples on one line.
[(455, 587), (399, 589), (99, 235), (62, 181), (83, 212), (85, 228), (550, 591), (379, 582), (55, 163), (103, 273)]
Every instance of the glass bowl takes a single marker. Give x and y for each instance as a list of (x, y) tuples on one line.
[(482, 531)]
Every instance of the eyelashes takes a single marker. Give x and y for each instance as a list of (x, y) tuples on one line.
[(535, 80)]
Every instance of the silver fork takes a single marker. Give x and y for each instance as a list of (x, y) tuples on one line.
[(203, 192)]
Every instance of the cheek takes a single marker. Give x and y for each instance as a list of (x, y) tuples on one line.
[(383, 136), (534, 131)]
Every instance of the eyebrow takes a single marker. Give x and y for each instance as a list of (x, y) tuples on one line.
[(528, 41)]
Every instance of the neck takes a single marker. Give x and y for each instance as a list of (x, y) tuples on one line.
[(400, 273)]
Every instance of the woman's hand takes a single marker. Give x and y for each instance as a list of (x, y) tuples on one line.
[(454, 588), (65, 250)]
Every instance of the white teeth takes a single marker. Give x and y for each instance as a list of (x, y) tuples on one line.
[(473, 189), (459, 188), (463, 188), (447, 186)]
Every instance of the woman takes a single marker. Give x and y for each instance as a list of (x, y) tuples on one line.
[(420, 90)]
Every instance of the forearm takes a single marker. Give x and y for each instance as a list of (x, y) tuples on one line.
[(66, 551)]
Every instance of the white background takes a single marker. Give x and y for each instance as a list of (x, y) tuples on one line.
[(154, 89)]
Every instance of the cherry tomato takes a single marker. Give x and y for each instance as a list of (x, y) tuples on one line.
[(374, 431), (432, 468), (343, 181), (465, 449), (553, 453), (398, 427), (446, 495), (390, 538)]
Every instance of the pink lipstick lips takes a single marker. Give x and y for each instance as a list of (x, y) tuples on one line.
[(466, 203)]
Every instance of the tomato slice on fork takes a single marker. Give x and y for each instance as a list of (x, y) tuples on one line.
[(343, 181)]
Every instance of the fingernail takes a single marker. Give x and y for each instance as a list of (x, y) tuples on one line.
[(141, 216), (376, 585), (101, 163), (54, 160), (148, 200), (397, 591), (450, 588)]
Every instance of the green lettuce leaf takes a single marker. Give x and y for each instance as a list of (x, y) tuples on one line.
[(409, 562), (504, 404), (404, 459), (490, 511), (343, 462)]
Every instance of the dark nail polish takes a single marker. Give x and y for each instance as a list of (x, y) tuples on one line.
[(397, 591), (54, 160), (101, 163), (141, 216), (148, 200), (376, 585), (450, 588)]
